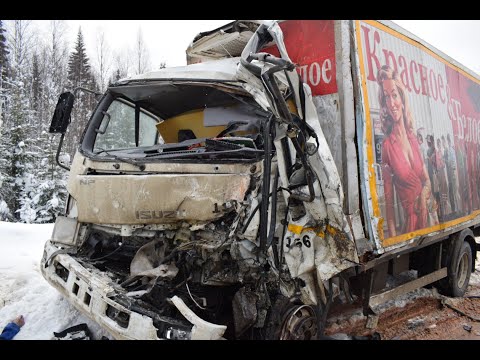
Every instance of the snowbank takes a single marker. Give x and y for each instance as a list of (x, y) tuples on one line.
[(23, 290)]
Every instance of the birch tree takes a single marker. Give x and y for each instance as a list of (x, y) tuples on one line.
[(142, 60), (104, 60)]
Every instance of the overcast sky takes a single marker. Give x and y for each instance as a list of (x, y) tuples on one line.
[(167, 40), (456, 38)]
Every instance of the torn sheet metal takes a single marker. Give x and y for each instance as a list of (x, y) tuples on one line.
[(346, 110), (202, 330), (341, 247), (145, 199), (335, 256), (373, 223)]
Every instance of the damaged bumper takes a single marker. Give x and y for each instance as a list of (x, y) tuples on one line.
[(91, 292)]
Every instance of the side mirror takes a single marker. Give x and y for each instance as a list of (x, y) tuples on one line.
[(61, 116)]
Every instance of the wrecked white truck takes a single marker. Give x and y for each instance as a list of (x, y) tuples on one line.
[(290, 165)]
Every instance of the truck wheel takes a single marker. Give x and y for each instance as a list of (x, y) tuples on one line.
[(459, 269), (300, 324), (288, 321)]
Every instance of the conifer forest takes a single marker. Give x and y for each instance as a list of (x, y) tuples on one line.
[(34, 71)]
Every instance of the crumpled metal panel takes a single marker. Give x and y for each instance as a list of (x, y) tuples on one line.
[(336, 250), (329, 117), (372, 222), (244, 306), (156, 199)]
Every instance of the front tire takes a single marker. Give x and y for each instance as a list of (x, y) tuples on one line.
[(291, 321)]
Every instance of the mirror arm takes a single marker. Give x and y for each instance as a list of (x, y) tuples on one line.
[(58, 154), (78, 88)]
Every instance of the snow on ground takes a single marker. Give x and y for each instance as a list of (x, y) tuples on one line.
[(23, 290)]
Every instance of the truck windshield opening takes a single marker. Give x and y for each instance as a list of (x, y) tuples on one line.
[(179, 120)]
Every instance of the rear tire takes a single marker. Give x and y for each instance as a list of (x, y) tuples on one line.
[(459, 269)]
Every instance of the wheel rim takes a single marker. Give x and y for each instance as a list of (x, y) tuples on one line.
[(300, 324), (462, 270)]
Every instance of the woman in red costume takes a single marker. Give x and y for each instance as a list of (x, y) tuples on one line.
[(402, 161)]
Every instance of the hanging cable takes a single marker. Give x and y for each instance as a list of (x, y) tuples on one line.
[(191, 297)]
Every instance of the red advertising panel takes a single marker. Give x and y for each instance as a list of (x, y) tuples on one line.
[(422, 116), (311, 45)]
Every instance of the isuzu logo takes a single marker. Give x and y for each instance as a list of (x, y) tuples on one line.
[(159, 214)]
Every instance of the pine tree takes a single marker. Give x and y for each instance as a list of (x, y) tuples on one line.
[(114, 77), (46, 199), (32, 186), (79, 74), (117, 76), (78, 64), (3, 54), (4, 210), (42, 200), (16, 133), (3, 72), (36, 85), (17, 154)]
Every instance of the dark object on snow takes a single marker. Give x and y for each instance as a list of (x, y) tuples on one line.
[(9, 331), (77, 332), (12, 328), (467, 328)]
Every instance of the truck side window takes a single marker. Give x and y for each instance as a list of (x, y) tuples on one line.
[(118, 128)]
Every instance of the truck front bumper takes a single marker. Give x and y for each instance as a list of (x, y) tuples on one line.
[(91, 292)]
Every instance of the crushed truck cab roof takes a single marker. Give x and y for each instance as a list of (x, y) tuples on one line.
[(223, 70)]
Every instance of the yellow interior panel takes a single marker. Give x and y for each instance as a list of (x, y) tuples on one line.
[(191, 120), (194, 120)]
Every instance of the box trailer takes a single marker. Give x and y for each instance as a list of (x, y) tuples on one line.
[(289, 165)]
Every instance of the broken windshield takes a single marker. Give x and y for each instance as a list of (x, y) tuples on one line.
[(166, 120), (117, 129)]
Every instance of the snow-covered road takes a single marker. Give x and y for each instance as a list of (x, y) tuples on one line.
[(23, 290)]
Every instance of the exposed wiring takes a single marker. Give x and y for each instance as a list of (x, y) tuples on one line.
[(258, 205), (191, 297), (109, 254)]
